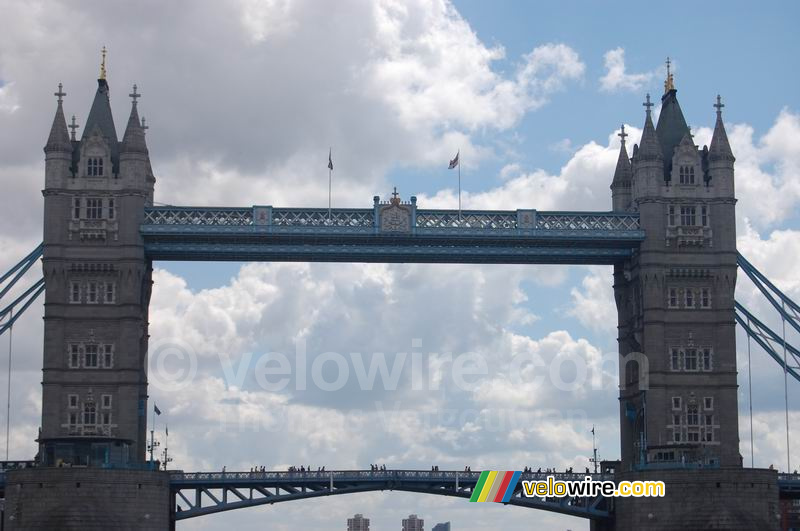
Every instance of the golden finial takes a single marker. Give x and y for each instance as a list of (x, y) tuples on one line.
[(103, 64), (669, 83)]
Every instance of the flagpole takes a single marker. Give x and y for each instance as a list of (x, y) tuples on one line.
[(330, 172), (459, 186), (152, 429)]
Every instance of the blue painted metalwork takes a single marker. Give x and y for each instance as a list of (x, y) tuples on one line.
[(23, 301), (770, 291), (789, 486), (202, 493), (355, 235), (769, 340)]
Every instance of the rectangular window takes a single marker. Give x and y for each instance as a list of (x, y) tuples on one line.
[(704, 216), (671, 215), (91, 292), (692, 418), (675, 360), (89, 415), (708, 402), (690, 359), (112, 210), (705, 298), (689, 299), (673, 298), (74, 292), (90, 359), (676, 402), (105, 401), (94, 208), (74, 357), (105, 418), (686, 174), (108, 296), (72, 400), (709, 420), (108, 356), (676, 420), (76, 208), (688, 215), (677, 436), (707, 359), (709, 435), (693, 436), (73, 419)]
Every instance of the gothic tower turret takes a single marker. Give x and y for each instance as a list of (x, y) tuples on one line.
[(621, 184), (678, 401), (97, 290)]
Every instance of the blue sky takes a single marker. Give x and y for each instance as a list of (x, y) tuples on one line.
[(245, 115)]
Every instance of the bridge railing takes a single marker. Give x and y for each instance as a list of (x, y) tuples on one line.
[(366, 218), (378, 475)]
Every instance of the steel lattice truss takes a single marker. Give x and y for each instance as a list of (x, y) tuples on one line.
[(356, 235), (202, 493)]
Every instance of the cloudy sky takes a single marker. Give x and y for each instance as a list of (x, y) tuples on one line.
[(244, 100)]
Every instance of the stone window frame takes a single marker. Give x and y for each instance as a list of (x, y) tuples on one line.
[(688, 215), (73, 401), (86, 354), (89, 412), (96, 291), (673, 298), (105, 418), (708, 403), (74, 355), (105, 292), (93, 208), (679, 401), (73, 419), (106, 401), (75, 288), (107, 356), (686, 174), (705, 298), (94, 167), (689, 299)]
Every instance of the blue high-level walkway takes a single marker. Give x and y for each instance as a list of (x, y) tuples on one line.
[(359, 235)]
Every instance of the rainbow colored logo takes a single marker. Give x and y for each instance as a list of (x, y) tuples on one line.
[(494, 486)]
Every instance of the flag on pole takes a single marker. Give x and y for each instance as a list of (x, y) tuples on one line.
[(166, 430), (330, 161), (454, 162), (592, 429), (157, 411)]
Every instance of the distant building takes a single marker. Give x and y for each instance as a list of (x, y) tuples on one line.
[(442, 527), (358, 523), (413, 523)]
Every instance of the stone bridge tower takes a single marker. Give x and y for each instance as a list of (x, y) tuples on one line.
[(94, 397), (675, 298)]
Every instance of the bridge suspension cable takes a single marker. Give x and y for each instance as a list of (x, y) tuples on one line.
[(18, 306), (768, 339)]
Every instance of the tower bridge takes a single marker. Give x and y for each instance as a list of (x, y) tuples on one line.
[(670, 236)]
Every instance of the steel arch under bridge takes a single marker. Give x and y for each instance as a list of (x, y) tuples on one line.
[(201, 493)]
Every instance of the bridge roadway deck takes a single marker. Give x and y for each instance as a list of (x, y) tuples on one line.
[(200, 493), (357, 235)]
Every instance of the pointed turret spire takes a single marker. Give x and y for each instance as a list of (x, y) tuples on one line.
[(100, 117), (623, 173), (59, 138), (649, 148), (720, 148), (133, 139)]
